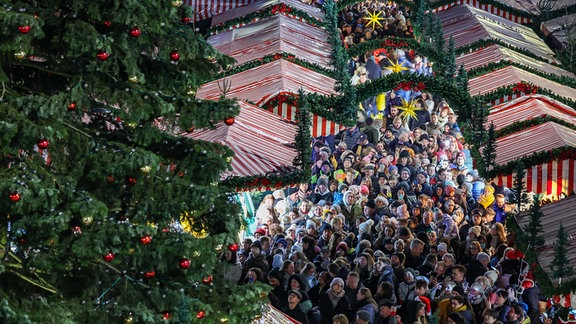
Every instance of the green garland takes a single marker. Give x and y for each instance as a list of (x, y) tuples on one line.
[(504, 91), (481, 70), (253, 17), (560, 153), (273, 57), (393, 43), (482, 43), (493, 3), (524, 124), (345, 3)]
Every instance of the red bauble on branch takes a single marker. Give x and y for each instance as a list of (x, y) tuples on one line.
[(15, 197), (201, 314), (146, 239), (229, 121), (186, 20), (109, 257), (43, 144), (24, 29), (131, 181), (208, 279), (72, 106), (135, 32), (107, 24), (150, 274), (233, 247), (184, 263), (102, 56), (174, 56), (166, 315)]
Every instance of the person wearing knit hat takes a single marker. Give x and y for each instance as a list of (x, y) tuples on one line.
[(365, 227), (333, 301), (311, 224), (362, 316), (337, 281)]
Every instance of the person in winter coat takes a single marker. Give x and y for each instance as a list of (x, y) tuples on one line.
[(334, 301), (365, 303), (256, 259), (232, 266)]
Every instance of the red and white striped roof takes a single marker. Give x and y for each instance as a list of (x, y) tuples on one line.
[(263, 82), (512, 75), (561, 212), (543, 137), (240, 11), (531, 6), (529, 107), (467, 25), (204, 9), (262, 141), (273, 35), (496, 53)]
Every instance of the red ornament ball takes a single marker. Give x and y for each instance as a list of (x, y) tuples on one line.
[(201, 314), (184, 263), (208, 279), (72, 106), (15, 197), (43, 144), (135, 32), (150, 274), (103, 56), (229, 121), (24, 29), (146, 239), (109, 257), (166, 315), (233, 247), (186, 20), (107, 24), (131, 181), (174, 56)]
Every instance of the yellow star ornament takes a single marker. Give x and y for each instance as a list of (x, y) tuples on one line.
[(395, 67), (373, 19), (409, 110)]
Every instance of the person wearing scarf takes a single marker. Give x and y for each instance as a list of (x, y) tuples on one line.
[(333, 301)]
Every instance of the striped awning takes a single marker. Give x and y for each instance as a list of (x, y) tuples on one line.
[(268, 80), (529, 107), (204, 9), (262, 141), (546, 136), (274, 35), (561, 212), (512, 75), (497, 53), (467, 25), (254, 6)]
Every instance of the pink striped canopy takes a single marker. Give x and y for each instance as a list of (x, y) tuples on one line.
[(497, 53), (204, 9), (467, 25), (272, 35), (264, 82), (262, 141), (546, 136), (512, 75), (254, 6), (529, 107)]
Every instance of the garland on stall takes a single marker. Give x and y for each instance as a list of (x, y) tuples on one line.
[(346, 3), (483, 43), (392, 43), (282, 97), (524, 124), (505, 91), (279, 9), (273, 57), (542, 157), (564, 80)]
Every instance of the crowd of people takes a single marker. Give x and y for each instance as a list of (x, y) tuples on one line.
[(395, 224)]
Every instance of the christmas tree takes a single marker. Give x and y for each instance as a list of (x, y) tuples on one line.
[(107, 214)]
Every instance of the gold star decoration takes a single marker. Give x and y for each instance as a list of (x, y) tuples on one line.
[(373, 19), (409, 110), (395, 67)]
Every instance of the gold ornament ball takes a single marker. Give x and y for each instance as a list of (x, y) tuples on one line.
[(196, 254), (191, 92), (229, 159), (177, 3), (146, 169), (133, 79), (219, 248), (131, 251), (20, 55), (87, 220), (224, 320), (129, 319)]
